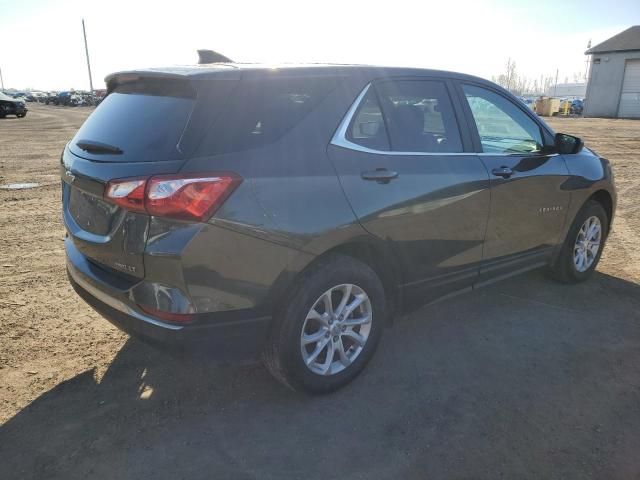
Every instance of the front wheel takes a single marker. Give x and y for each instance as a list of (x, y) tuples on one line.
[(583, 246), (328, 329)]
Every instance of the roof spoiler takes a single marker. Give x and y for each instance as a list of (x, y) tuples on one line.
[(209, 56)]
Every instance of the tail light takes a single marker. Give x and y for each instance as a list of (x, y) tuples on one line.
[(127, 193), (192, 197)]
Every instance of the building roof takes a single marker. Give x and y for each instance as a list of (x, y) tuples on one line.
[(622, 42)]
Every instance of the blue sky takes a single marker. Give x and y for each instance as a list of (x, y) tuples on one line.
[(42, 46)]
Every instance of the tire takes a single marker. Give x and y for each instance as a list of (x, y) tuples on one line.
[(285, 355), (566, 268)]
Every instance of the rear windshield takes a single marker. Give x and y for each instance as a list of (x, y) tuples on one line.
[(144, 120), (263, 111)]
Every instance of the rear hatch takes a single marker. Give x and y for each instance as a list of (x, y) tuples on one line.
[(146, 126)]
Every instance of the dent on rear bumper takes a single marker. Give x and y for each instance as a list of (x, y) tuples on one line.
[(229, 336), (117, 294)]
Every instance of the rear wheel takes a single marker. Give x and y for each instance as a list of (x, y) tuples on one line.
[(583, 246), (329, 327)]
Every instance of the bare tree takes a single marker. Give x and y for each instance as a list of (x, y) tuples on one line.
[(579, 77), (548, 86), (509, 78), (521, 85)]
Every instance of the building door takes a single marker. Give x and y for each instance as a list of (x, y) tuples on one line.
[(629, 106)]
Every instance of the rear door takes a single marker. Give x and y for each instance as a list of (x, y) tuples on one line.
[(142, 128), (528, 201), (402, 161)]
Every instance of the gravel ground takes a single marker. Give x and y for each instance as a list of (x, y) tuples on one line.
[(523, 379)]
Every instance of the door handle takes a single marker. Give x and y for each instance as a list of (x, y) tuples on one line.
[(380, 175), (504, 172)]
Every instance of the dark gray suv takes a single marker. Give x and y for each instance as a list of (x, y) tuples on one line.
[(292, 212)]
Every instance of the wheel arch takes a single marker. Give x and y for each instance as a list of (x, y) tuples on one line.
[(371, 252), (604, 198), (381, 261)]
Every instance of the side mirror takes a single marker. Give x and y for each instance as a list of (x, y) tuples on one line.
[(567, 144)]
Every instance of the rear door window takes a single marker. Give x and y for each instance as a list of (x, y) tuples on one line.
[(419, 116), (367, 127), (144, 120), (263, 111)]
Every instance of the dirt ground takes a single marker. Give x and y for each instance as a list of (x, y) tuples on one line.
[(525, 379)]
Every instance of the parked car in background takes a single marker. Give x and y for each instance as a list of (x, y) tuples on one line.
[(22, 96), (51, 98), (577, 106), (292, 212), (99, 94), (36, 96), (529, 102), (12, 106), (68, 99), (65, 99), (86, 99)]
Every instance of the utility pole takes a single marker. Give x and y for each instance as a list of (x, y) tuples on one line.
[(1, 80), (86, 49), (586, 70), (555, 88)]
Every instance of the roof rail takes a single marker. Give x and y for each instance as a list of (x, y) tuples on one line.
[(209, 56)]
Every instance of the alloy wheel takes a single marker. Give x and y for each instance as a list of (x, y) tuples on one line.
[(587, 244), (336, 329)]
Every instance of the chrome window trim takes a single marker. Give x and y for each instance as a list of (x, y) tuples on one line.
[(340, 139)]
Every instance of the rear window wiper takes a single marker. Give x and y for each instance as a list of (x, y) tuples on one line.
[(98, 147)]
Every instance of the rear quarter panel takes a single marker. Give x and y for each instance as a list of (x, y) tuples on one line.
[(289, 209)]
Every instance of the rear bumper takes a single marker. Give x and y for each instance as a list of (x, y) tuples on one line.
[(224, 336)]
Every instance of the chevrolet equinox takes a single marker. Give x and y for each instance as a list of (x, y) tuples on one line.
[(290, 213)]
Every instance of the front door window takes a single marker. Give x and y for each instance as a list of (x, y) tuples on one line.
[(503, 128)]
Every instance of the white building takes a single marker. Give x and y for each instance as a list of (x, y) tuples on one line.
[(567, 90), (614, 77)]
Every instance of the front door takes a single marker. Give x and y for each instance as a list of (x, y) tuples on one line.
[(402, 162), (528, 201)]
